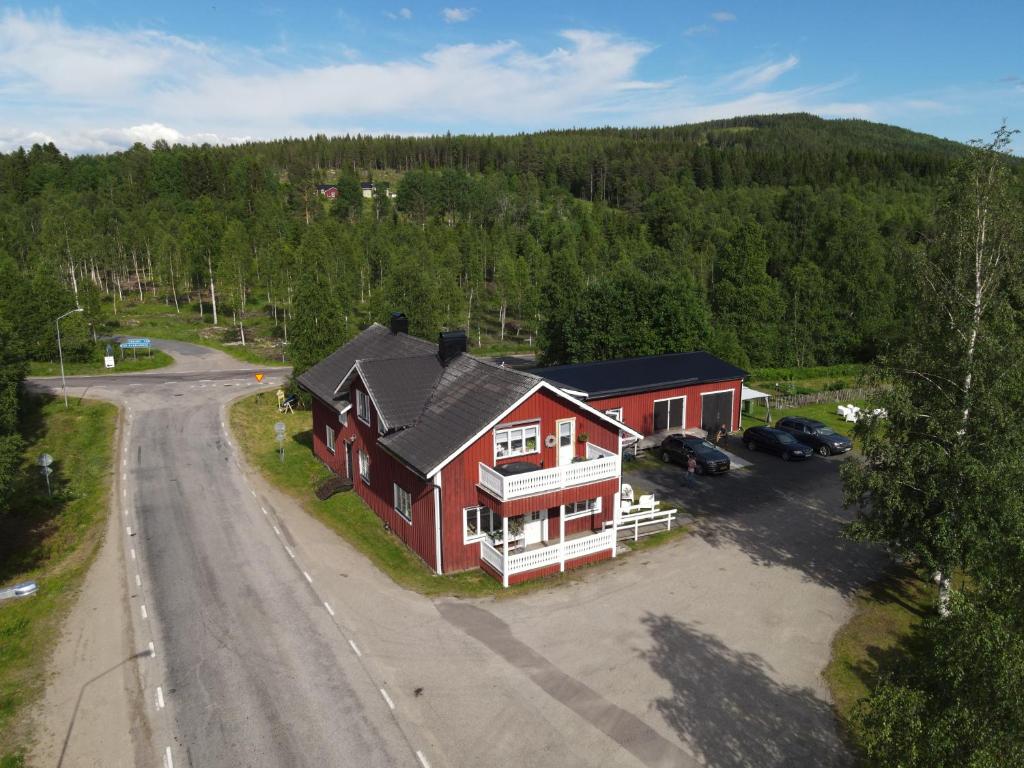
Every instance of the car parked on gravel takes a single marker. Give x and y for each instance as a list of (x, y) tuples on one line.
[(679, 449), (771, 440), (823, 439)]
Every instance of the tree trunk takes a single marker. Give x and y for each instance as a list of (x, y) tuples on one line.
[(174, 288), (213, 290), (138, 277), (149, 259), (502, 313)]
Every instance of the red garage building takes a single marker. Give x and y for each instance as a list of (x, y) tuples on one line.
[(471, 464), (657, 394)]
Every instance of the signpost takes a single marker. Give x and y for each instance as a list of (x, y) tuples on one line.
[(134, 344), (44, 463), (279, 436)]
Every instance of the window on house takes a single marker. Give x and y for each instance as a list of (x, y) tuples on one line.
[(479, 522), (363, 407), (343, 419), (615, 413), (330, 439), (364, 466), (516, 441), (403, 503), (582, 508)]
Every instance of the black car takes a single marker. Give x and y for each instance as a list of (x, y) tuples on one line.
[(776, 441), (825, 440), (679, 448)]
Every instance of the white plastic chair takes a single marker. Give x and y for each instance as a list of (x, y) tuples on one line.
[(646, 503)]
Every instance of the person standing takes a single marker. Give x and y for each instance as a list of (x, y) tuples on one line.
[(691, 470)]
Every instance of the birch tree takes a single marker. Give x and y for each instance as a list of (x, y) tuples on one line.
[(939, 479)]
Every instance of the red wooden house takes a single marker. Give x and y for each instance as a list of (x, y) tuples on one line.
[(471, 464), (658, 394), (327, 190)]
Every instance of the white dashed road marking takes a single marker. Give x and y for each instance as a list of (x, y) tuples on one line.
[(328, 607), (387, 698), (159, 697), (133, 553), (129, 529), (138, 580), (277, 530), (308, 577), (355, 647), (144, 614), (152, 650), (290, 551), (168, 760), (422, 759)]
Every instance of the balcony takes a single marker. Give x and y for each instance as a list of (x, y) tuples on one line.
[(599, 465), (538, 558)]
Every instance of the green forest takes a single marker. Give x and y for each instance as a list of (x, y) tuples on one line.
[(771, 241)]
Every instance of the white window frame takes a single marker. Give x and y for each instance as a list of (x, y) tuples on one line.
[(615, 413), (477, 511), (364, 466), (509, 433), (329, 436), (732, 405), (363, 406), (584, 508), (343, 418), (402, 502), (686, 405)]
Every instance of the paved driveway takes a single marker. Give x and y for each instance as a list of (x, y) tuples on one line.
[(715, 642)]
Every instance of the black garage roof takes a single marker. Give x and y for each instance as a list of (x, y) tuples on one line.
[(607, 378)]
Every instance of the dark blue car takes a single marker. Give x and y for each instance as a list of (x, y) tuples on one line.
[(776, 441)]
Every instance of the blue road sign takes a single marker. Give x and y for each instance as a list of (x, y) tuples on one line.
[(136, 344)]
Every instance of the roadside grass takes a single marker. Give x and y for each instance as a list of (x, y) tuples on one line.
[(141, 362), (876, 639), (153, 318), (252, 422), (50, 540)]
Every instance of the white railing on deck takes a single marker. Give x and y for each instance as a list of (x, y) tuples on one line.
[(590, 544), (490, 555), (551, 479), (542, 557)]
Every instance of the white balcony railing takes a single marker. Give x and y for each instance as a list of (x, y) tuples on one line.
[(554, 554), (552, 479)]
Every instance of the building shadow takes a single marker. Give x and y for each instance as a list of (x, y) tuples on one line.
[(778, 514), (731, 711)]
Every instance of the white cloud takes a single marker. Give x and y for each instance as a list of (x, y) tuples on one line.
[(456, 15), (723, 16), (759, 75), (98, 90), (402, 13), (700, 29)]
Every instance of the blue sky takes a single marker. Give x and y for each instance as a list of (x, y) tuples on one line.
[(97, 75)]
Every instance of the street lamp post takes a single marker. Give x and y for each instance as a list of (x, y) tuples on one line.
[(63, 382)]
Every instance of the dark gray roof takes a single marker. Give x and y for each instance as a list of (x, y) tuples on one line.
[(469, 395), (375, 342), (607, 378), (400, 386)]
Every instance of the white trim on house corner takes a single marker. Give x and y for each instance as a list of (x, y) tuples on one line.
[(530, 393), (732, 407), (437, 526), (381, 421)]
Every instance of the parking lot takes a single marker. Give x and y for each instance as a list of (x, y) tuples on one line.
[(716, 641)]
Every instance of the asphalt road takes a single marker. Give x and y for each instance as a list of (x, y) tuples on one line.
[(251, 666)]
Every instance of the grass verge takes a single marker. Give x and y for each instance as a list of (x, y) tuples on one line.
[(823, 412), (51, 540), (874, 640), (252, 422), (143, 362)]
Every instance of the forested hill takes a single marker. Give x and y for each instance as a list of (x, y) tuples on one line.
[(770, 240)]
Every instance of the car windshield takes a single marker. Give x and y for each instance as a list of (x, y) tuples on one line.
[(785, 437), (825, 431), (700, 445)]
